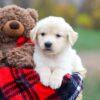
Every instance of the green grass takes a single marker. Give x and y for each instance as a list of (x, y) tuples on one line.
[(88, 39), (92, 88)]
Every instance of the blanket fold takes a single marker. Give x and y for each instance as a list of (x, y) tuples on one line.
[(24, 84)]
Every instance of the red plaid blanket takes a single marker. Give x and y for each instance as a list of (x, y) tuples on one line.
[(24, 84)]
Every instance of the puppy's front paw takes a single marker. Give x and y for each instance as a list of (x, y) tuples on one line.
[(44, 74), (45, 80), (55, 81)]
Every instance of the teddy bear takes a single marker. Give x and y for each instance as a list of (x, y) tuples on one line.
[(16, 48)]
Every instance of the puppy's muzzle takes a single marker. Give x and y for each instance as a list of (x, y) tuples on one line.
[(48, 45)]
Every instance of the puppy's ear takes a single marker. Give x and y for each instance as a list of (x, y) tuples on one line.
[(33, 33), (72, 37)]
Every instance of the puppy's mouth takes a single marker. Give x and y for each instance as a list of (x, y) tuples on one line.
[(48, 50)]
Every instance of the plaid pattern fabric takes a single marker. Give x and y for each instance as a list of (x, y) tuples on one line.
[(24, 84)]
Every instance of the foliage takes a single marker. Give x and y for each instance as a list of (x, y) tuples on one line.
[(93, 10), (84, 20), (87, 16), (96, 17), (44, 7), (67, 11)]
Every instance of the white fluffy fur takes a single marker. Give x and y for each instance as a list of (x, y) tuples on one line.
[(62, 59)]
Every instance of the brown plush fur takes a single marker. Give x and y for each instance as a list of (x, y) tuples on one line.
[(9, 53)]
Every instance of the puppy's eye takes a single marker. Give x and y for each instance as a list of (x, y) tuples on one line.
[(58, 35), (42, 34)]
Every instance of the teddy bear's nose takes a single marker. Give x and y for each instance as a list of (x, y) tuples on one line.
[(14, 25), (14, 28)]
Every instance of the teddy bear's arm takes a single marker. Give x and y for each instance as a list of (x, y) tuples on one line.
[(28, 47), (21, 56)]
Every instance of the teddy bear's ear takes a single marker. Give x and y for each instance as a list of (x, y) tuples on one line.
[(33, 13)]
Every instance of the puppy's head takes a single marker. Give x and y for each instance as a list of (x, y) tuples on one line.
[(52, 35)]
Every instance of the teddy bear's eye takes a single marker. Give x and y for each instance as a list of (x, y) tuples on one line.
[(42, 34), (58, 35)]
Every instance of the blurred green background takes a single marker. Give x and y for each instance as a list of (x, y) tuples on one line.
[(84, 16)]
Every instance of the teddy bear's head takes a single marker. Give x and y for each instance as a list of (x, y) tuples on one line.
[(15, 22)]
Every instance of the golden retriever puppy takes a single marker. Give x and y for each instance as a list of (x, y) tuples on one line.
[(54, 56)]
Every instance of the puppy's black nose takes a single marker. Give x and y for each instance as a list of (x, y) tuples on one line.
[(48, 44)]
